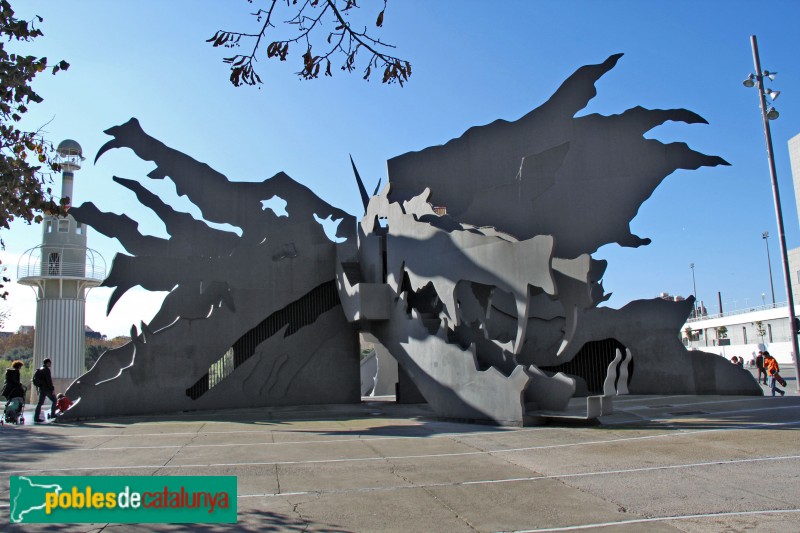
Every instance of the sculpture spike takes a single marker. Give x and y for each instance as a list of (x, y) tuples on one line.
[(361, 189), (113, 143)]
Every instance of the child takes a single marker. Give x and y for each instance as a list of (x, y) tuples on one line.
[(62, 403)]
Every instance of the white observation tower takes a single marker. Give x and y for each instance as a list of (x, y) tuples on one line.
[(61, 270)]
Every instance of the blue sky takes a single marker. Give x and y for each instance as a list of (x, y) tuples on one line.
[(473, 62)]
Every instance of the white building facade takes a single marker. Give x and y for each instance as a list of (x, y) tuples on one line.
[(740, 333)]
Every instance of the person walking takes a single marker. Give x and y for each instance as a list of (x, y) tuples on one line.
[(760, 367), (44, 383), (13, 387), (772, 368)]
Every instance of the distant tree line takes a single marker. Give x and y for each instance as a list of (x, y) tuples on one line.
[(20, 346)]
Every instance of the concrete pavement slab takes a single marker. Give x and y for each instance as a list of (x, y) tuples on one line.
[(711, 488), (390, 511), (457, 469), (520, 505), (333, 477), (652, 466)]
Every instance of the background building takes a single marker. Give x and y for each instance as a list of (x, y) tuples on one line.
[(794, 253)]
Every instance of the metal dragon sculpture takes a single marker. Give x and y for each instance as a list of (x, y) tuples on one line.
[(472, 269)]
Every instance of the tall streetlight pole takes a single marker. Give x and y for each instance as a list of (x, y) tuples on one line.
[(768, 114), (694, 285), (765, 236)]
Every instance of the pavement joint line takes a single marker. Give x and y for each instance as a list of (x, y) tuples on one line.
[(658, 519), (423, 456), (720, 462), (714, 414), (533, 478), (412, 485), (480, 450), (97, 446), (357, 434), (357, 438), (637, 398), (175, 454), (711, 402), (296, 510), (393, 471), (449, 508), (497, 431)]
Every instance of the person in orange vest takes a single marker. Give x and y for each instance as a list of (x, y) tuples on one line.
[(772, 368)]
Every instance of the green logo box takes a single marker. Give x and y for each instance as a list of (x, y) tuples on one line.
[(123, 499)]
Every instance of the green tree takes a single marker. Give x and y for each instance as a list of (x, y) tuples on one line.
[(302, 24), (23, 353), (761, 330), (93, 353), (27, 159), (16, 346), (25, 375), (20, 346), (97, 347)]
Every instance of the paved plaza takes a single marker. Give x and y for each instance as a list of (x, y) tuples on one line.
[(679, 463)]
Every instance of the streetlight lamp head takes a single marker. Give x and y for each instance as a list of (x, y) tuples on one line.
[(772, 113), (765, 235), (773, 94), (749, 81), (770, 75)]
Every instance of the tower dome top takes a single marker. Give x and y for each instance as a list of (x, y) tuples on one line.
[(68, 147)]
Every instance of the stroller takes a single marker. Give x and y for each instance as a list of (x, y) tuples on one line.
[(13, 411)]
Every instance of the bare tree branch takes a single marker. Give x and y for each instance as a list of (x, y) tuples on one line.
[(308, 20)]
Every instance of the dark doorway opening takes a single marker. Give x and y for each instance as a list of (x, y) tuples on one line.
[(591, 364)]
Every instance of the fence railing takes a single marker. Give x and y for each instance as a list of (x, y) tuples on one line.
[(739, 311), (62, 270), (49, 262)]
